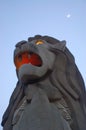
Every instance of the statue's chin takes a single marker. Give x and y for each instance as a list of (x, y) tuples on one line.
[(28, 79), (30, 74)]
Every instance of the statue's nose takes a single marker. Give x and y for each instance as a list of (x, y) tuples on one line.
[(19, 44)]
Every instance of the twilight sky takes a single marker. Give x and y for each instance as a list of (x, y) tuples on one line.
[(20, 19)]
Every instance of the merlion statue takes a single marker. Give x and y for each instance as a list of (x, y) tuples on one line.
[(50, 92)]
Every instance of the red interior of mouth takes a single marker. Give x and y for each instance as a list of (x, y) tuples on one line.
[(26, 58)]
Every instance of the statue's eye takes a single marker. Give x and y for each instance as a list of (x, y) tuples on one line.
[(39, 42)]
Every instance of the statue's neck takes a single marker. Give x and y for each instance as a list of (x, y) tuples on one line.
[(50, 91)]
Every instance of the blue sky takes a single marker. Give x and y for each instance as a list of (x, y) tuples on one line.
[(20, 19)]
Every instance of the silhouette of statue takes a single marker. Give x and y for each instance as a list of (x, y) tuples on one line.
[(50, 92)]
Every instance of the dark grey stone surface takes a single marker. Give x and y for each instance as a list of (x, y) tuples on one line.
[(50, 95)]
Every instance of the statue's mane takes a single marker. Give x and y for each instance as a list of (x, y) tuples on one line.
[(67, 75), (67, 78)]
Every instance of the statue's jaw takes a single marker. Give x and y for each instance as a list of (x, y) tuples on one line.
[(29, 73)]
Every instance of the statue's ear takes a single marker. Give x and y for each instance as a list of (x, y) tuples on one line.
[(60, 45), (55, 43)]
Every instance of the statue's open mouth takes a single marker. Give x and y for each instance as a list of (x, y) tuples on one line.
[(27, 58)]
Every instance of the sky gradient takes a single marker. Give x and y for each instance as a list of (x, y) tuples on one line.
[(20, 19)]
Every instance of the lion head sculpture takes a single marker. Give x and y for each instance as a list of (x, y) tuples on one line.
[(45, 64)]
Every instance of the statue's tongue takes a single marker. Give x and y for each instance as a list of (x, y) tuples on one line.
[(27, 58)]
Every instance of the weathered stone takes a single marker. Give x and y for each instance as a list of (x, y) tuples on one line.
[(50, 93)]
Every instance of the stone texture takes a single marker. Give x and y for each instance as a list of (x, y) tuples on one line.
[(50, 96)]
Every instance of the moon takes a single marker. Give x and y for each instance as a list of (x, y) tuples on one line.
[(68, 15)]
